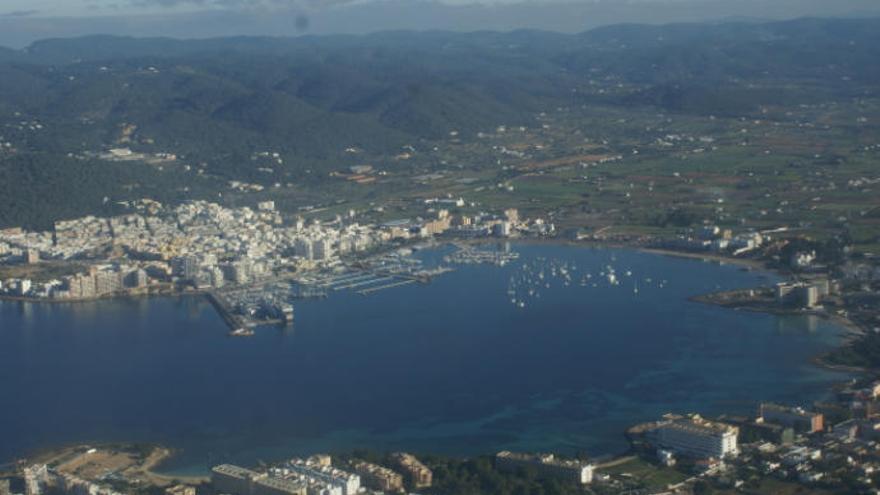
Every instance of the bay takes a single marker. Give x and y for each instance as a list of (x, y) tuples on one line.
[(454, 366)]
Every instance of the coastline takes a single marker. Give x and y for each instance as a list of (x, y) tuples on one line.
[(133, 294), (148, 466), (850, 329), (716, 258), (154, 469)]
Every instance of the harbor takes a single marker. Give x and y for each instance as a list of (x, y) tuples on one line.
[(271, 302), (350, 360)]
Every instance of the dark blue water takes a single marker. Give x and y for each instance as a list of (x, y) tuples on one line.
[(448, 367)]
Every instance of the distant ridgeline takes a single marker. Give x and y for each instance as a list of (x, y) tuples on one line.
[(317, 101)]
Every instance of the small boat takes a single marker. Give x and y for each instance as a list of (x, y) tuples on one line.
[(241, 332)]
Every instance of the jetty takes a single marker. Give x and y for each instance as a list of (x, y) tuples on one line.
[(365, 292), (234, 321)]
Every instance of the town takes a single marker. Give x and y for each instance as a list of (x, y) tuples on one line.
[(251, 262), (254, 263)]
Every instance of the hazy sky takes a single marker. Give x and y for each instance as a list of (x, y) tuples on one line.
[(23, 21)]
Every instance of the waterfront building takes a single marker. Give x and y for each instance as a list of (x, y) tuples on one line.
[(546, 466), (794, 417), (235, 480), (190, 267), (35, 479), (81, 286), (217, 278), (802, 294), (378, 477), (501, 229), (72, 485), (278, 486), (227, 478), (418, 475), (107, 281), (696, 437), (752, 429), (438, 226), (318, 469), (137, 278)]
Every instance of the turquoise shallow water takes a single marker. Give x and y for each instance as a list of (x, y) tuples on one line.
[(452, 366)]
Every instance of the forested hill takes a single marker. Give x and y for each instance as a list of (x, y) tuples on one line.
[(310, 99), (380, 90)]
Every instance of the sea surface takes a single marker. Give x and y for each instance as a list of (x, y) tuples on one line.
[(455, 366)]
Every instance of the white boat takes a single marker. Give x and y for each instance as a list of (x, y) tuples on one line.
[(241, 332)]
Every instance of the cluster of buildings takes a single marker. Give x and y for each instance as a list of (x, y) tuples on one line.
[(714, 238), (235, 480), (40, 479), (127, 155), (692, 437), (788, 443), (545, 466), (96, 281), (440, 221), (379, 477), (210, 246), (696, 438), (805, 293), (417, 474), (317, 476), (319, 473)]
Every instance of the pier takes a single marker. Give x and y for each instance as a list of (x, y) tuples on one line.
[(235, 322), (366, 292), (369, 281)]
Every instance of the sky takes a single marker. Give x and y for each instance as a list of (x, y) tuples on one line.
[(24, 21)]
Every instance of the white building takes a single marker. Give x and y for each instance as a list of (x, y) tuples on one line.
[(696, 437), (318, 473), (24, 286), (546, 465)]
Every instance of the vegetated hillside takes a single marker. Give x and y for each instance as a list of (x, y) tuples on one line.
[(216, 102), (38, 189)]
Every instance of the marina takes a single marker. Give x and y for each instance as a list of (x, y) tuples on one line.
[(528, 280), (272, 302), (365, 292)]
